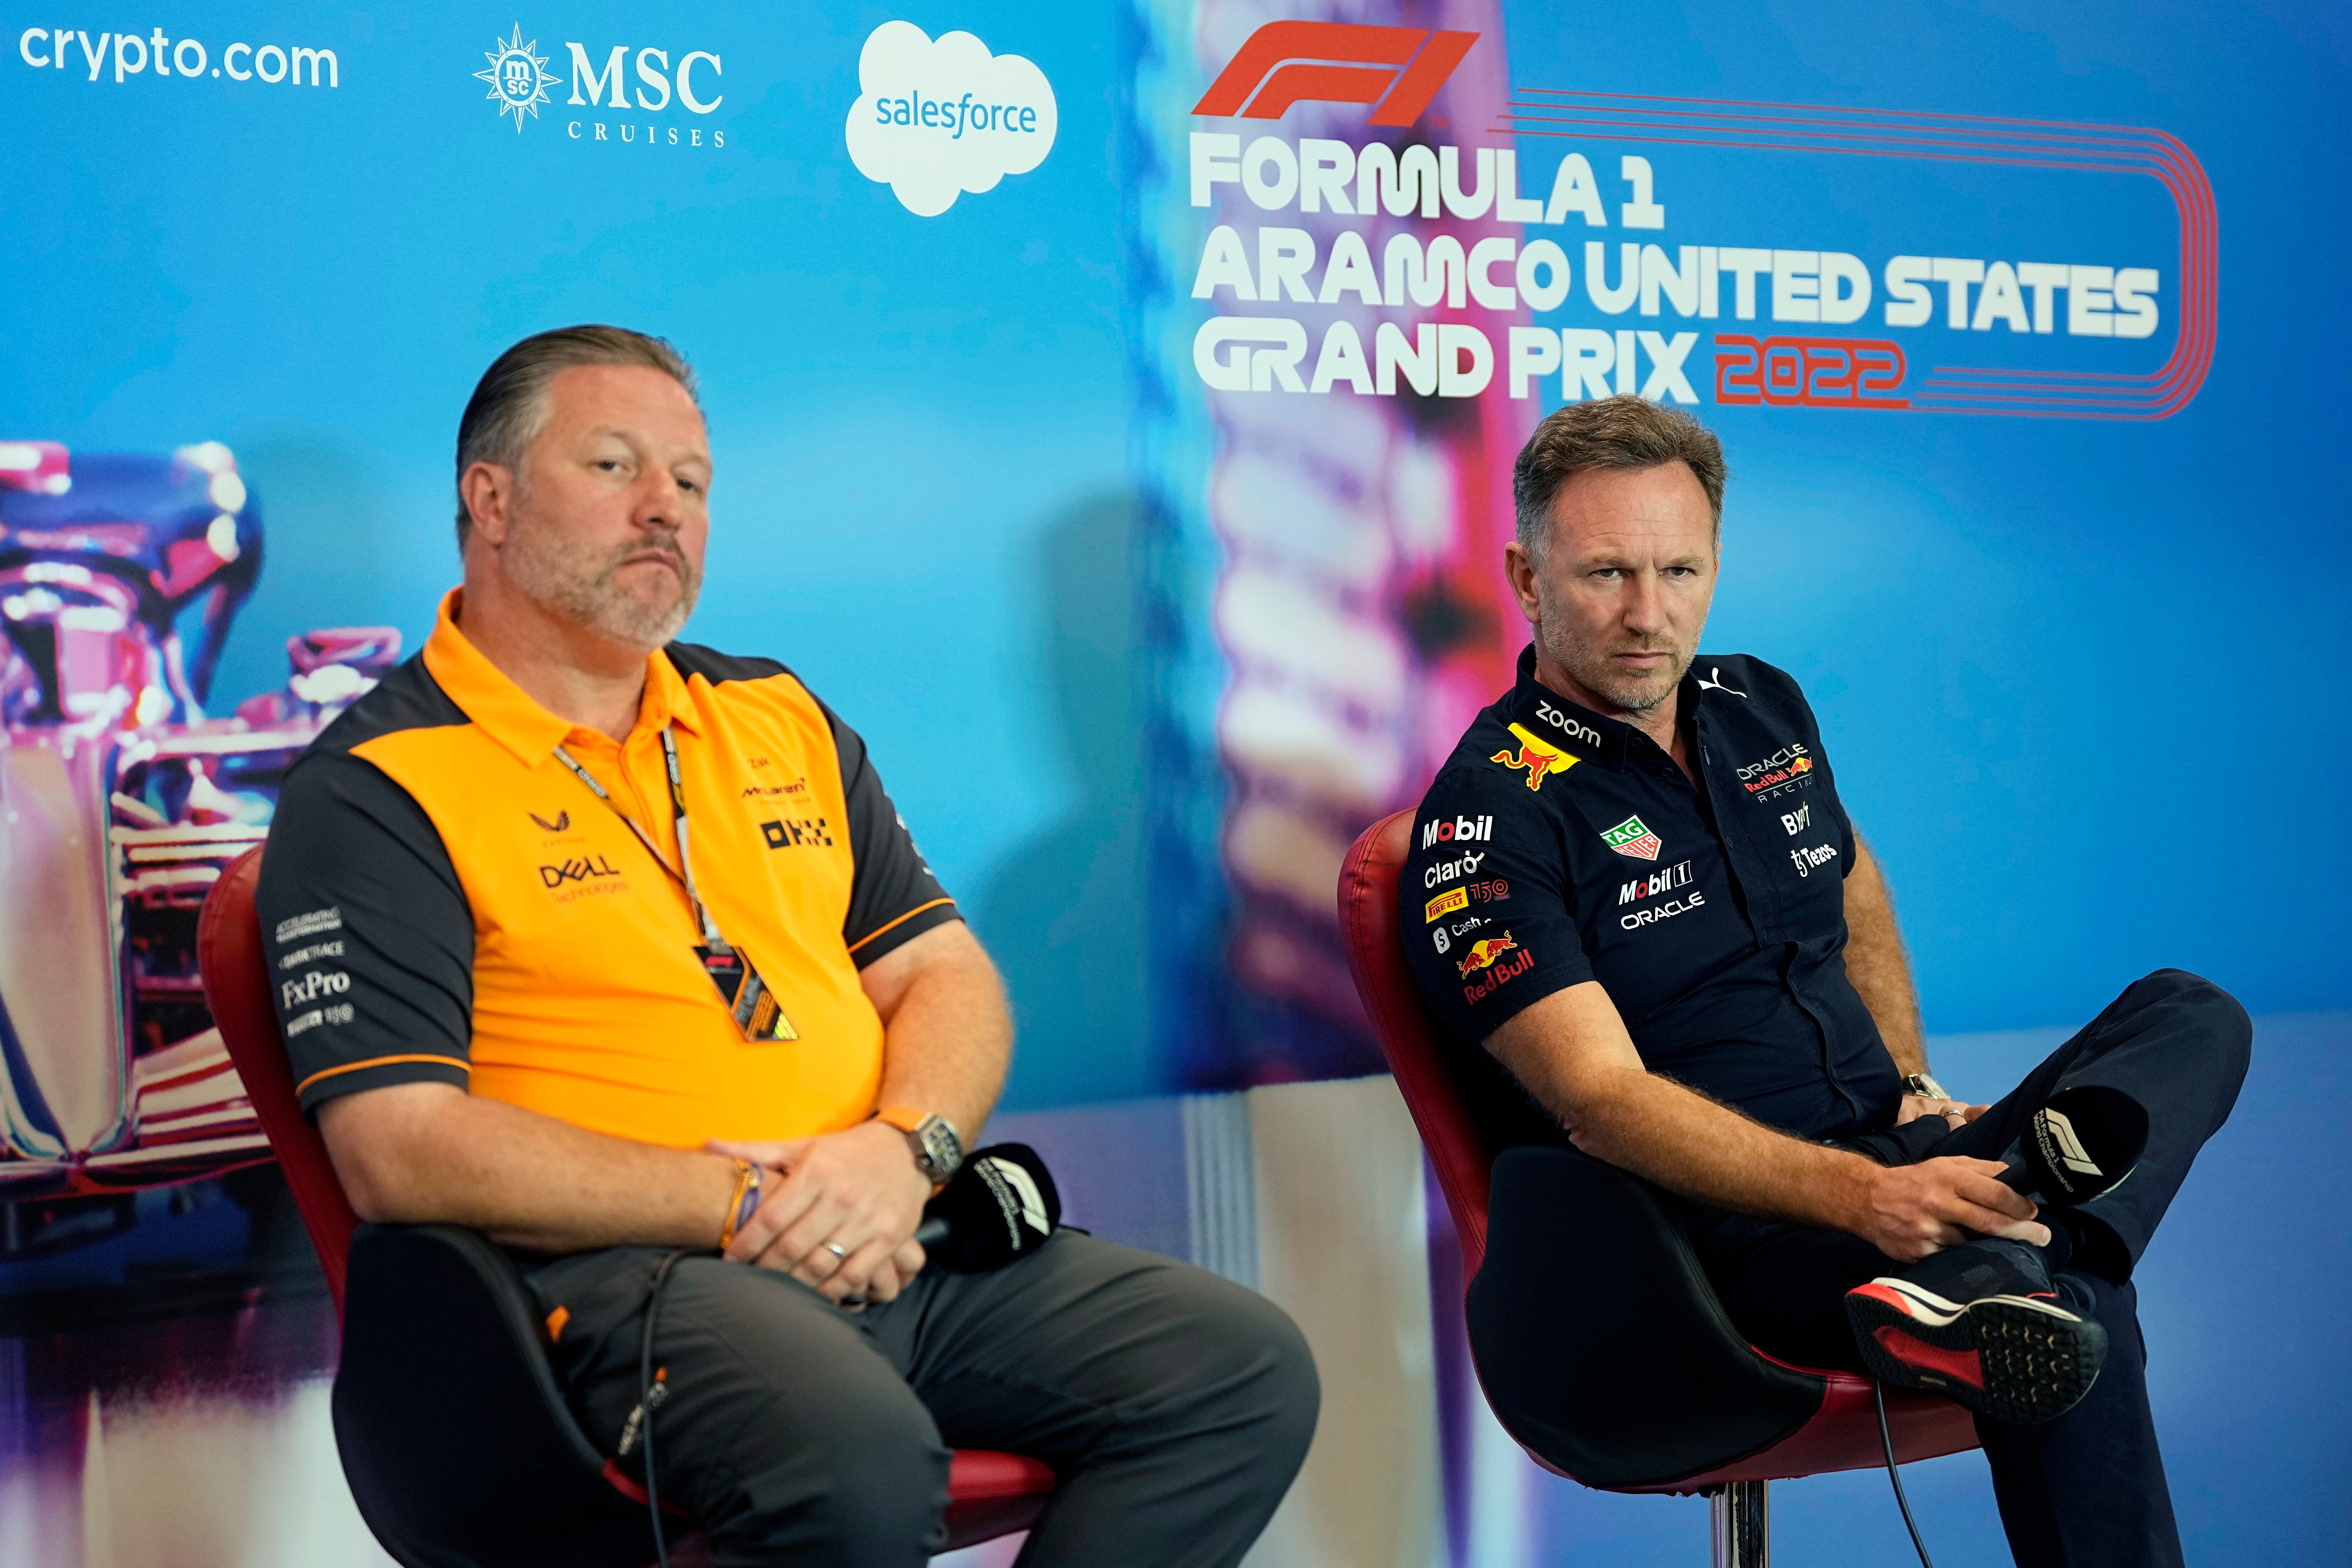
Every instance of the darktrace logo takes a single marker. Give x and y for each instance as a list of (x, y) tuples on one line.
[(1397, 70), (793, 832), (562, 823)]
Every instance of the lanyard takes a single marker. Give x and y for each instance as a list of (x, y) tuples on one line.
[(683, 872)]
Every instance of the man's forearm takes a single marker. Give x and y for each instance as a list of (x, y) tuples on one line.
[(432, 1154), (1877, 965), (948, 1033), (1689, 1144)]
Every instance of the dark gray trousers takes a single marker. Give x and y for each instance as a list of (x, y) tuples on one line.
[(1173, 1405)]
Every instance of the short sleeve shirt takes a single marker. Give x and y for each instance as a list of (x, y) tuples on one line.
[(1558, 845), (442, 899)]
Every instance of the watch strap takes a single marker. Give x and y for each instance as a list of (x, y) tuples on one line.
[(905, 1118), (1924, 1085)]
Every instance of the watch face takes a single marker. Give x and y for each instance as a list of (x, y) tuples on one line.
[(942, 1148)]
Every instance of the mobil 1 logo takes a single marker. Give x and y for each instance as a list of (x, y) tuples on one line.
[(1460, 830)]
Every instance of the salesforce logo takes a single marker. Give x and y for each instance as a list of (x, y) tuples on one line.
[(937, 118)]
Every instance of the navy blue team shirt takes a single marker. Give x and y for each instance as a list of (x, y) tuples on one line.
[(1558, 845)]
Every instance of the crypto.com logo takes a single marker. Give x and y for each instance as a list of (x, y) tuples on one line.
[(1396, 69)]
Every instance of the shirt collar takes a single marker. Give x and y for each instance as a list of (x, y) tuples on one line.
[(1567, 726), (511, 716)]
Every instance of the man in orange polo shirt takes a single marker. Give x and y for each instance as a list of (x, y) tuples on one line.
[(610, 945)]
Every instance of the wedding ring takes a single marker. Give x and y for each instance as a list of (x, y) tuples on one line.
[(838, 1250)]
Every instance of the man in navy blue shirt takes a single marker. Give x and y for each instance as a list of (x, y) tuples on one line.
[(1635, 900)]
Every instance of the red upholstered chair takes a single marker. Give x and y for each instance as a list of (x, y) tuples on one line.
[(1625, 1374), (459, 1447)]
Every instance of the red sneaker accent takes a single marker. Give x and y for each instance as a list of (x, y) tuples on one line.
[(1878, 1293), (1965, 1366)]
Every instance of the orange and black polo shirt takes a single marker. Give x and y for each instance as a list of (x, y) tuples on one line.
[(444, 900)]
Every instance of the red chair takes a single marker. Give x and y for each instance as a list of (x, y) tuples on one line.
[(1642, 1387), (457, 1444)]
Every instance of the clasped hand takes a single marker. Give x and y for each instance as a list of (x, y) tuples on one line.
[(839, 1212)]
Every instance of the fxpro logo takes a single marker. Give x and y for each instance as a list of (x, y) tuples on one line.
[(625, 82), (1397, 70), (935, 118)]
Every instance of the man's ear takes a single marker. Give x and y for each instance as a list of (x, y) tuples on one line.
[(489, 491), (1519, 571)]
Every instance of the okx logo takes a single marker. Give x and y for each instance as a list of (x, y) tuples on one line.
[(1397, 70)]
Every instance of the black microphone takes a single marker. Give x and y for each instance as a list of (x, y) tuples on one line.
[(2084, 1142), (998, 1208)]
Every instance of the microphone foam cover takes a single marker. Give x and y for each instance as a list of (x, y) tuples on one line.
[(1000, 1208), (2084, 1142)]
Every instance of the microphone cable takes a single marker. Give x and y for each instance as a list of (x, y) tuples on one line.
[(646, 1401), (1886, 1437)]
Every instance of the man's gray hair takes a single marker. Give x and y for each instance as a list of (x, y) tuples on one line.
[(508, 407), (1622, 432)]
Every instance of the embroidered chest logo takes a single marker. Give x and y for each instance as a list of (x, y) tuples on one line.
[(562, 823), (1632, 837), (1537, 759)]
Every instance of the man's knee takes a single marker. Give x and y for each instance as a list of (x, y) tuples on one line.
[(860, 1481), (2221, 1018), (1249, 1374)]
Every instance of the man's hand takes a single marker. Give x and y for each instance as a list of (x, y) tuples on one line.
[(1908, 1212), (843, 1219), (1912, 1107)]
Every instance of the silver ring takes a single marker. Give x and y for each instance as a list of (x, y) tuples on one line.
[(837, 1250)]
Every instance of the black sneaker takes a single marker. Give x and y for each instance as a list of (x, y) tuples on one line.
[(1979, 1323)]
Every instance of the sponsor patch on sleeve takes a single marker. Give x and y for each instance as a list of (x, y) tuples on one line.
[(299, 926), (1444, 904)]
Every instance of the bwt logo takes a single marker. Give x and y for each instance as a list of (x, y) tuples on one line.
[(1397, 70)]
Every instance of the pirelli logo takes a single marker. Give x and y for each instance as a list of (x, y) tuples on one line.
[(1397, 70)]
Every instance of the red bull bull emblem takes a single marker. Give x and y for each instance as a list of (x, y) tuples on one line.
[(1485, 952), (1537, 758)]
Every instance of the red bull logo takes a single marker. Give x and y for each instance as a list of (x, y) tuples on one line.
[(1537, 759), (1483, 954)]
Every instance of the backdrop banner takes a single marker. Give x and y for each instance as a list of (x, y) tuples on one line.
[(1113, 409)]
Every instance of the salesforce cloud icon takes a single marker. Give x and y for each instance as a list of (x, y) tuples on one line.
[(937, 118)]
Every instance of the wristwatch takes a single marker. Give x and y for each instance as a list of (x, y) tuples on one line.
[(1926, 1086), (938, 1151)]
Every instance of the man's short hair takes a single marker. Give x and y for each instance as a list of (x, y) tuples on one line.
[(508, 407), (1622, 432)]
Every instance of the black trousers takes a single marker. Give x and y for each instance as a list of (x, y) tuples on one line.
[(1174, 1406), (2087, 1488)]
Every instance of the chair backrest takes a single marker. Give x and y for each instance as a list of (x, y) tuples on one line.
[(237, 990), (1410, 1036)]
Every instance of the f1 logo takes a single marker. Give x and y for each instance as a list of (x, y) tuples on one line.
[(1396, 69)]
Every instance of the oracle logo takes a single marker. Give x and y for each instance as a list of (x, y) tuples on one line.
[(1397, 70)]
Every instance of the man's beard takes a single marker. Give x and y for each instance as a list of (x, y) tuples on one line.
[(1590, 666), (577, 583)]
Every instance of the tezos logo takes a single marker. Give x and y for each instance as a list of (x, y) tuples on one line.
[(1397, 70), (518, 78), (934, 119)]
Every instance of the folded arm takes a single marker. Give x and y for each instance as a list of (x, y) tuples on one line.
[(1571, 1051)]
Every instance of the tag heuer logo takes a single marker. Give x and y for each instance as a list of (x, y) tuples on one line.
[(1631, 838), (518, 78)]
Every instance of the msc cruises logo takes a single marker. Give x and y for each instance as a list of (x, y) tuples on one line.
[(518, 78)]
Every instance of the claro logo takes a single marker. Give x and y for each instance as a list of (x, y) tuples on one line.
[(1397, 70)]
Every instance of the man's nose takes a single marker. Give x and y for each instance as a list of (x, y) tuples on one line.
[(1644, 605)]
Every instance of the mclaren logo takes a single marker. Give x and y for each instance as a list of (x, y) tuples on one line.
[(1397, 70)]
